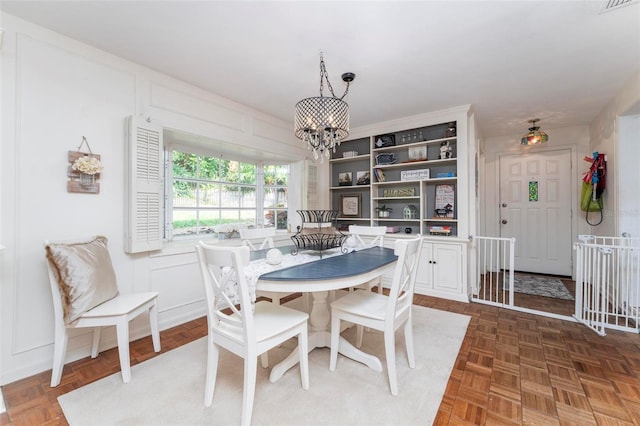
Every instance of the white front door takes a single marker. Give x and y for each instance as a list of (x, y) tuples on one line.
[(535, 208)]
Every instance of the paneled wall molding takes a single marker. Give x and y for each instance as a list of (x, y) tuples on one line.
[(54, 90), (197, 107)]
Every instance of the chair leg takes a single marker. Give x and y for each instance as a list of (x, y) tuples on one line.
[(59, 351), (213, 353), (250, 374), (264, 359), (122, 329), (390, 352), (306, 301), (153, 322), (96, 341), (335, 340), (408, 339), (359, 335), (303, 354)]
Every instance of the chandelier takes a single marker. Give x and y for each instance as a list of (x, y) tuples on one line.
[(323, 121), (535, 136)]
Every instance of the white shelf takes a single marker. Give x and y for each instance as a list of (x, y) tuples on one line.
[(354, 218), (409, 197), (390, 219), (441, 220), (351, 187), (357, 157), (437, 162), (414, 144), (397, 182)]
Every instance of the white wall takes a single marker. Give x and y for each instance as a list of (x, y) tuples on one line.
[(604, 134), (54, 91)]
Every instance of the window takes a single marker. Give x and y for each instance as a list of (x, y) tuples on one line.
[(208, 191), (276, 180)]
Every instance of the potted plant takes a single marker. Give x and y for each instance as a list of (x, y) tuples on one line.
[(383, 211)]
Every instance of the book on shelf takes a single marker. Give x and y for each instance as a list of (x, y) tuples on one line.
[(440, 230), (380, 176)]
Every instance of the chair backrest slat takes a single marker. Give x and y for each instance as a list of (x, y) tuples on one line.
[(404, 276), (261, 236), (222, 270), (378, 232)]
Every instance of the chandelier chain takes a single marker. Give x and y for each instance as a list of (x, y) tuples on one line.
[(324, 75)]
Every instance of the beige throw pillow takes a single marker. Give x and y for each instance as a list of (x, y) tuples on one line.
[(85, 275)]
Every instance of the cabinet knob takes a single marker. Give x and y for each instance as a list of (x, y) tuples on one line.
[(504, 204), (504, 222)]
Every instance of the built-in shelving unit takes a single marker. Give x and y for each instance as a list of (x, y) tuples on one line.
[(412, 171), (397, 154)]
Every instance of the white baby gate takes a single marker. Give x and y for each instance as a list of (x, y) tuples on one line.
[(608, 283), (492, 282)]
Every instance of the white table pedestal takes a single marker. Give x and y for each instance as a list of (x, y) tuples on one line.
[(320, 337)]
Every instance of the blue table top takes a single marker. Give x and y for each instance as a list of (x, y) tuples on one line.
[(347, 265)]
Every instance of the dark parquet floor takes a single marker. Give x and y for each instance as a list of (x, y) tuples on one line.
[(513, 368)]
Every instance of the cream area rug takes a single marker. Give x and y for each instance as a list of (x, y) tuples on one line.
[(169, 389)]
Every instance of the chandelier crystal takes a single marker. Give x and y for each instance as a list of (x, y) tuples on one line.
[(535, 136), (323, 121)]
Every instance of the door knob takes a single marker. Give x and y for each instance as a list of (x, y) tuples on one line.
[(504, 222), (504, 204)]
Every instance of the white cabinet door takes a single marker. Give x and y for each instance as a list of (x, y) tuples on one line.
[(424, 276), (447, 267), (442, 269)]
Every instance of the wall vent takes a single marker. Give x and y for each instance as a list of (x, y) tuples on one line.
[(610, 5)]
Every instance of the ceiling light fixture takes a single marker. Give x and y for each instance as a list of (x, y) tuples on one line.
[(535, 136), (322, 121)]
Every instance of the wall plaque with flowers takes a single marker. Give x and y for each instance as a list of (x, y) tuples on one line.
[(83, 170)]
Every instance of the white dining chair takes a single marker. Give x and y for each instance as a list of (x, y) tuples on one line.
[(246, 330), (377, 234), (85, 295), (260, 239), (381, 312)]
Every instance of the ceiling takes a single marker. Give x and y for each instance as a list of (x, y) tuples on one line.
[(561, 61)]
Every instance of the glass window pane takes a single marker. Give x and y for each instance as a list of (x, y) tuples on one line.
[(185, 165), (230, 216), (275, 197), (229, 171), (207, 220), (248, 217), (230, 196), (269, 216), (282, 175), (247, 197), (248, 173), (282, 219), (270, 197), (184, 194), (269, 174), (209, 195), (184, 222), (281, 197), (209, 168)]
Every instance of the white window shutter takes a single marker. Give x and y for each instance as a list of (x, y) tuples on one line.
[(145, 201)]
